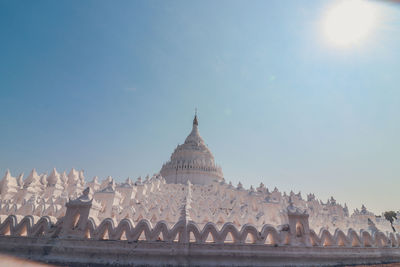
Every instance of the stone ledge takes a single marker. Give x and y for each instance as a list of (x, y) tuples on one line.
[(120, 253)]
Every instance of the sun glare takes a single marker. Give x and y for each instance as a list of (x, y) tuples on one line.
[(349, 21)]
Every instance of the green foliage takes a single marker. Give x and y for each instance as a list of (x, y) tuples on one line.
[(390, 216)]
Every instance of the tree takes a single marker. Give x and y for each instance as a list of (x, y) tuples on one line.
[(391, 216)]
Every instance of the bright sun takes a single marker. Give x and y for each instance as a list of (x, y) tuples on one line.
[(349, 21)]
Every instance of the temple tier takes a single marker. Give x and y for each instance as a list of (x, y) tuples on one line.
[(192, 161)]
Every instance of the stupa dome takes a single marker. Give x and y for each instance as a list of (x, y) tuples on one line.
[(192, 161)]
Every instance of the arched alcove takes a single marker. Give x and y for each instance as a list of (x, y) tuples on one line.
[(24, 230), (250, 238), (123, 236), (75, 220), (229, 238), (299, 229), (269, 240), (210, 238)]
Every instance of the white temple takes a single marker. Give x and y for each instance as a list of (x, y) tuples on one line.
[(190, 171), (185, 215), (192, 161)]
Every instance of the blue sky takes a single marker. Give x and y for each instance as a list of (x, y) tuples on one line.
[(111, 87)]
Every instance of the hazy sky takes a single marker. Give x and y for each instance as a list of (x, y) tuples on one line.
[(111, 87)]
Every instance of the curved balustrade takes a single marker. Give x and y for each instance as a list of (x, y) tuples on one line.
[(28, 226), (182, 231)]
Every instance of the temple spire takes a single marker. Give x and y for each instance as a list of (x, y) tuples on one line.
[(195, 121)]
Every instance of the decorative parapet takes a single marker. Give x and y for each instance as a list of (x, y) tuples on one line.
[(144, 231), (77, 224)]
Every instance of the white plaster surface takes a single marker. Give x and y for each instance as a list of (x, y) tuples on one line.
[(185, 214)]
